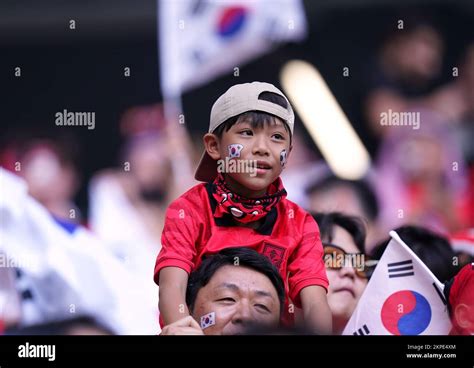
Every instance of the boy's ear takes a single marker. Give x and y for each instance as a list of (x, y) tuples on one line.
[(211, 145)]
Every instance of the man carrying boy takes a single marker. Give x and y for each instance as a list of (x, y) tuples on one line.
[(251, 123)]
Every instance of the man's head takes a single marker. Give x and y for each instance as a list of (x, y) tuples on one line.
[(352, 197), (252, 123), (433, 249), (460, 295), (239, 288), (343, 239)]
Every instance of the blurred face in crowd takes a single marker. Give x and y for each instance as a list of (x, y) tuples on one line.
[(240, 297), (149, 162), (340, 198), (419, 54), (421, 159), (345, 286), (47, 177)]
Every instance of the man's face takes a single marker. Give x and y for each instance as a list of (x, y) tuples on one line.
[(269, 146), (239, 297)]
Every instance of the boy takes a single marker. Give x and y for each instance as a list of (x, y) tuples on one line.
[(252, 125)]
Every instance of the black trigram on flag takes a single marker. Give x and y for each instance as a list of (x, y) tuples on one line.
[(401, 269), (440, 294), (364, 330)]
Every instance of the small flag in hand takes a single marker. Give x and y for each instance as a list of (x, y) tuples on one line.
[(403, 297)]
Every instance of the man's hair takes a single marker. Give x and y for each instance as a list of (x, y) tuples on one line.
[(352, 224), (361, 188), (433, 249), (257, 119), (245, 257)]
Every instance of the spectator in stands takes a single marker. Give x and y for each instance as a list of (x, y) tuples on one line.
[(422, 178), (407, 70), (433, 249), (231, 292), (128, 203), (351, 197), (49, 167), (348, 269), (81, 325)]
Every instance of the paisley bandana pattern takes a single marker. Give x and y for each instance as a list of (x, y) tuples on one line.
[(244, 209)]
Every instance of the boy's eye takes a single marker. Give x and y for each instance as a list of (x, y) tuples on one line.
[(246, 132), (278, 136)]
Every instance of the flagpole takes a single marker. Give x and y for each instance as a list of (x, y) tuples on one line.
[(171, 93)]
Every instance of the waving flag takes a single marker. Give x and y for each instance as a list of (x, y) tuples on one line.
[(403, 297), (62, 272), (200, 40)]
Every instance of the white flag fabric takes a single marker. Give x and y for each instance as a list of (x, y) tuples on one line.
[(200, 40), (403, 297), (69, 273)]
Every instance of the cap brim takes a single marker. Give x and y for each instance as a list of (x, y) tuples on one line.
[(207, 168)]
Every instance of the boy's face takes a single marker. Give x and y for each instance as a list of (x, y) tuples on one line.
[(268, 146)]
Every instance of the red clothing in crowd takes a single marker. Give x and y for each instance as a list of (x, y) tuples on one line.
[(288, 236)]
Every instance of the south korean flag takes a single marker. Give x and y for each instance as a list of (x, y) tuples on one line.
[(234, 150), (403, 297), (208, 320)]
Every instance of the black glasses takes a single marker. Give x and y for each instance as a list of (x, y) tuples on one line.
[(335, 258)]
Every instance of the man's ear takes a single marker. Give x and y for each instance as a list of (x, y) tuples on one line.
[(211, 145)]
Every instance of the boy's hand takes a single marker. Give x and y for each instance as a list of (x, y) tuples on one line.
[(185, 326), (317, 315)]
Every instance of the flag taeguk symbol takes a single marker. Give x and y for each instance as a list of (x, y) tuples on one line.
[(231, 21), (406, 312)]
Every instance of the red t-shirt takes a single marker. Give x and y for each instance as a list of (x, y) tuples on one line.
[(288, 236)]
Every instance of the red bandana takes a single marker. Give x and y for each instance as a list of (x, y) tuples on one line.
[(244, 209)]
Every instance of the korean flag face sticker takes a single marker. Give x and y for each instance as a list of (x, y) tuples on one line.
[(283, 158), (208, 320), (234, 150)]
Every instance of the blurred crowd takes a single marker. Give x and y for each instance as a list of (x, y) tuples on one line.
[(421, 182)]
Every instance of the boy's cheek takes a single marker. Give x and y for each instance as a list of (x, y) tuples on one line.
[(234, 150), (283, 158)]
